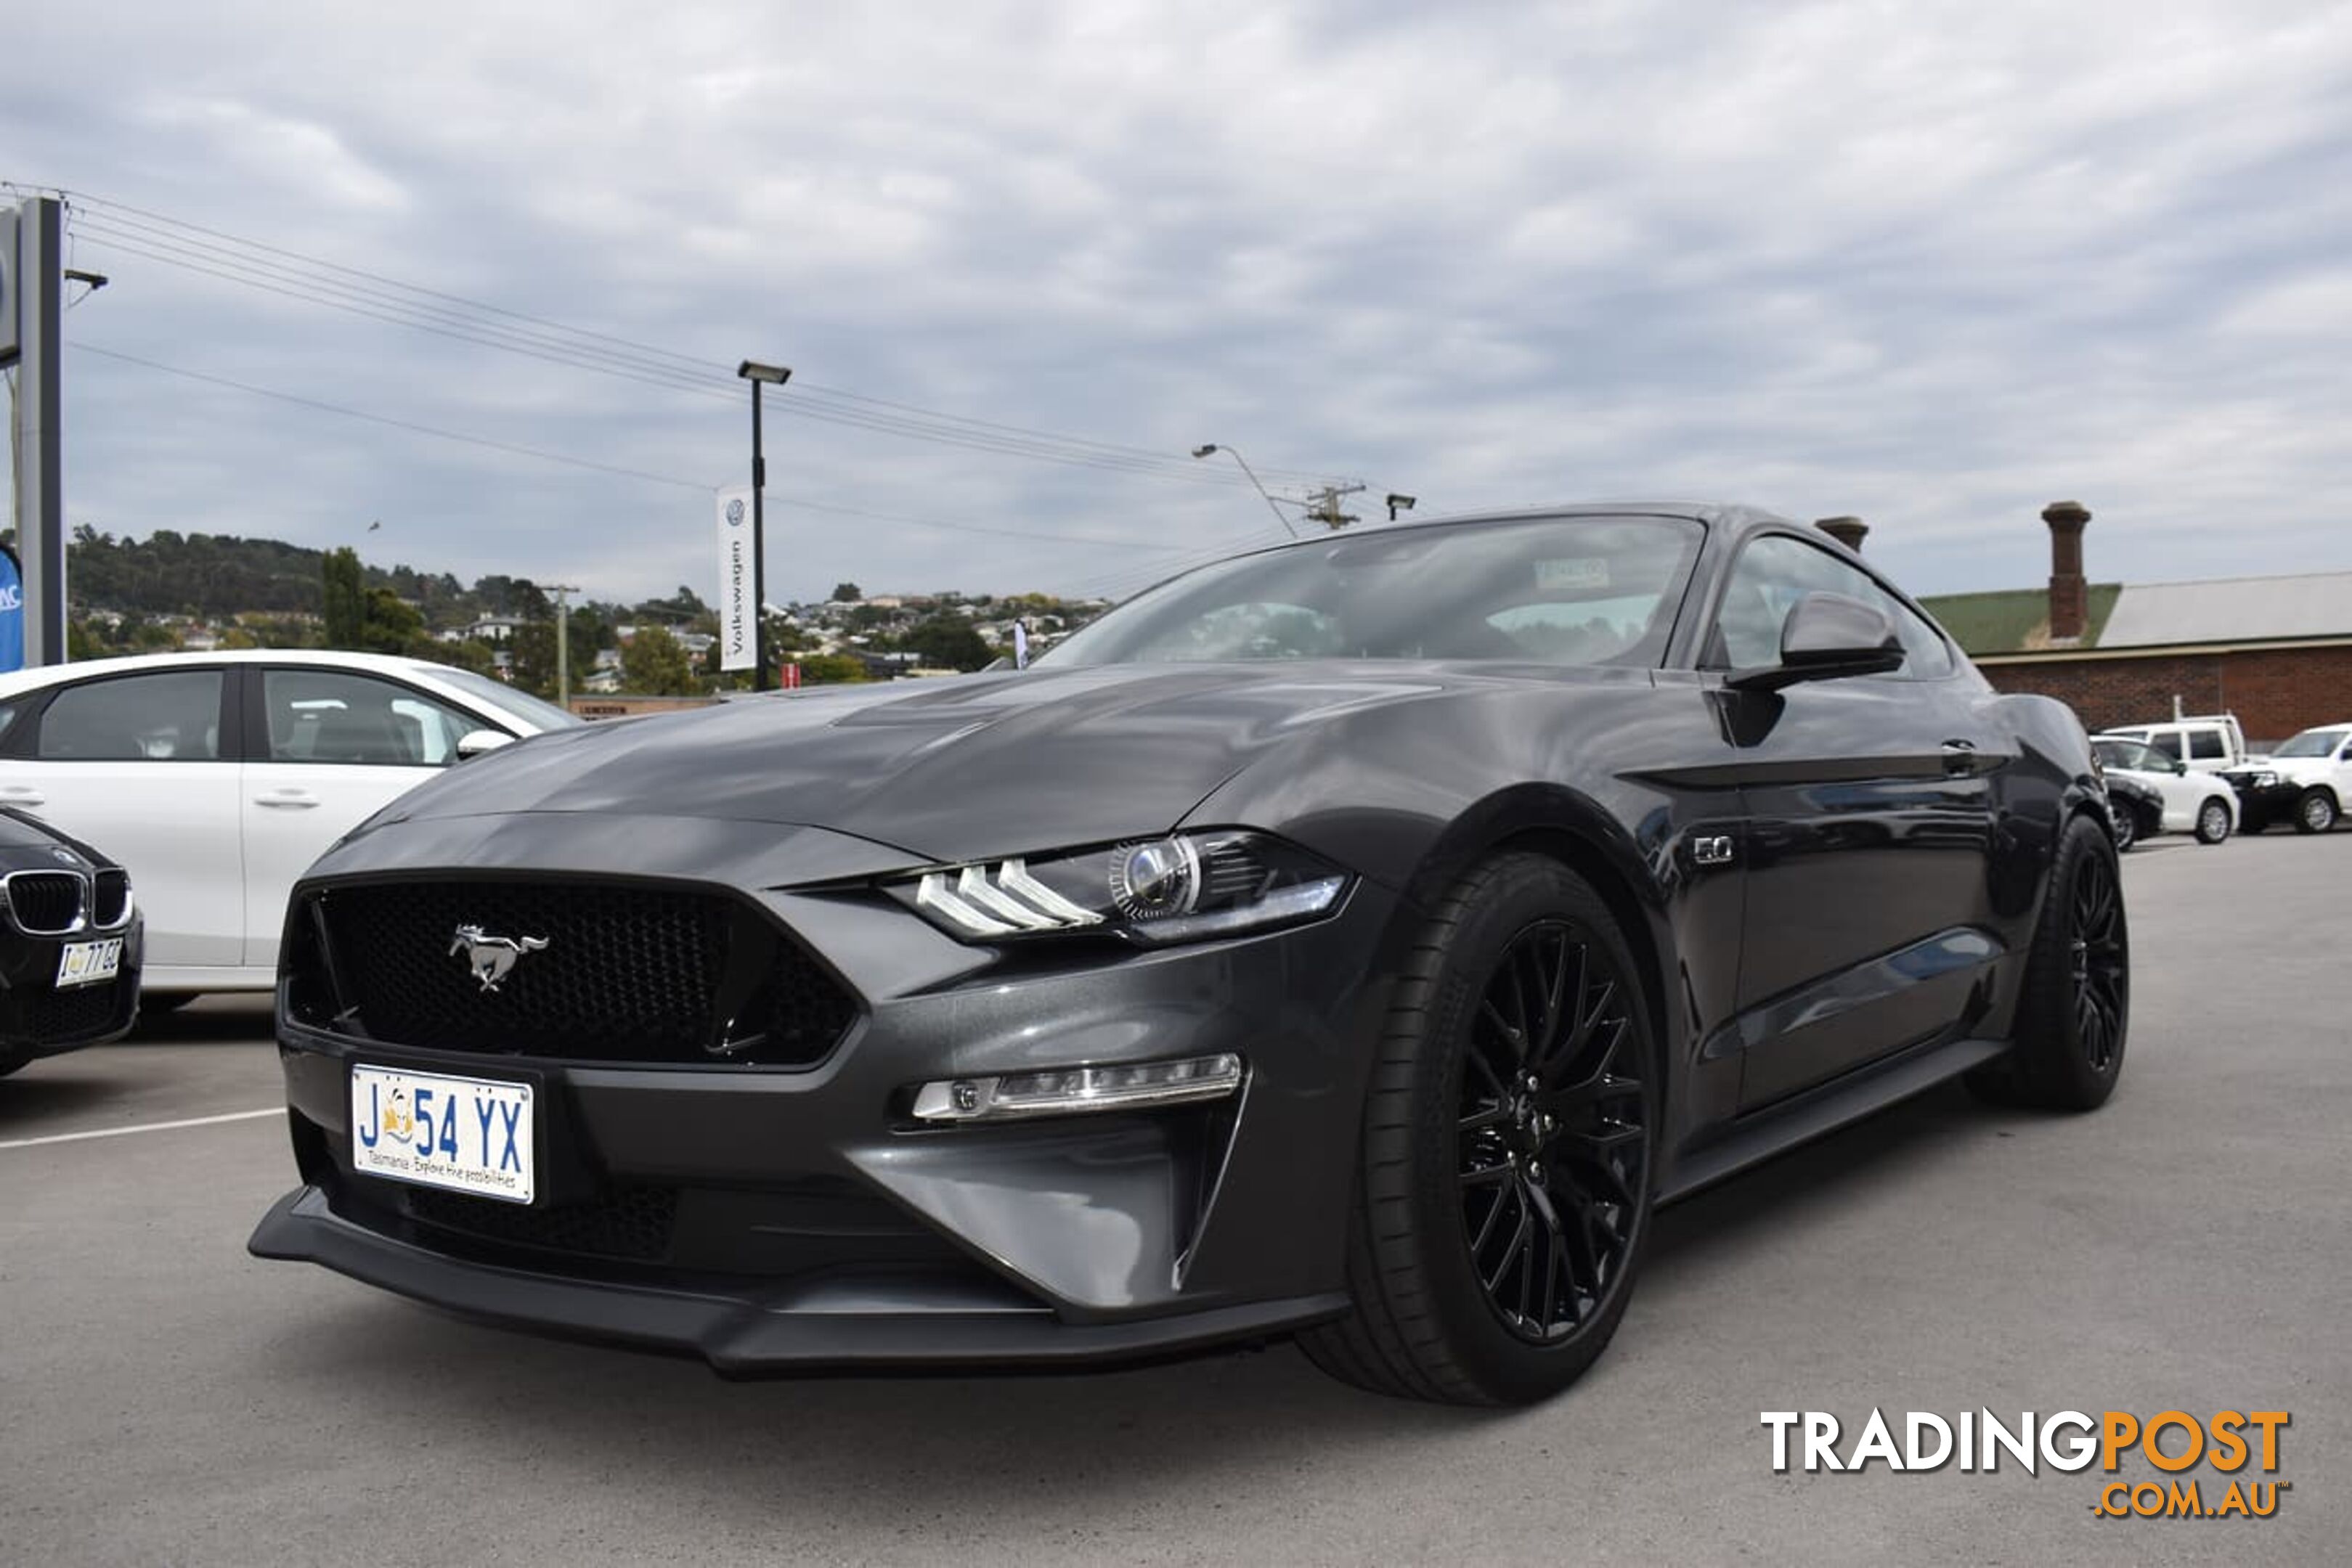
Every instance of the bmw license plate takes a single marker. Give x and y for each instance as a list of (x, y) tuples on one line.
[(87, 963), (468, 1135)]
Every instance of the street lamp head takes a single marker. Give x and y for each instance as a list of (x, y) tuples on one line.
[(775, 375), (1208, 451), (1400, 503)]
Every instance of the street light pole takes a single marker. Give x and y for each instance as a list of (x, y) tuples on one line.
[(1211, 449), (760, 375)]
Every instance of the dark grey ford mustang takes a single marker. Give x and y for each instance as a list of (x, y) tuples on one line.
[(1354, 939)]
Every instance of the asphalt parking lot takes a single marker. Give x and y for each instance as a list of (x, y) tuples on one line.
[(165, 1398)]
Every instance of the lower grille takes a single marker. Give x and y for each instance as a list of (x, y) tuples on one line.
[(583, 971), (633, 1224), (83, 1010)]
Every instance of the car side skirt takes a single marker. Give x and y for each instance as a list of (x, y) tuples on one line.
[(1777, 1129)]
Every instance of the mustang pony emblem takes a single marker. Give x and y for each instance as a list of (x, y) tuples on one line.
[(490, 959)]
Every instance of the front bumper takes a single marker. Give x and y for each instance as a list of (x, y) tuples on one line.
[(38, 1019), (766, 1218), (2260, 807)]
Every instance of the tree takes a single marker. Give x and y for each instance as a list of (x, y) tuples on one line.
[(828, 669), (656, 664), (949, 644), (534, 658), (846, 593), (345, 606), (391, 626)]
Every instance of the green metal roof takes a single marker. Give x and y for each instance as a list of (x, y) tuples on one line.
[(2012, 620)]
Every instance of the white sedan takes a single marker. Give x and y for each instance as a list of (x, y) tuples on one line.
[(216, 778), (2195, 801)]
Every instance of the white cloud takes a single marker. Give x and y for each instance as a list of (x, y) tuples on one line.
[(1935, 264)]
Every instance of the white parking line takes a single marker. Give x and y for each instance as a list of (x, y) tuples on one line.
[(143, 1127)]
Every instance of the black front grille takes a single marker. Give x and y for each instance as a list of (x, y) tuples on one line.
[(633, 1223), (605, 972), (51, 1016), (110, 898), (45, 902)]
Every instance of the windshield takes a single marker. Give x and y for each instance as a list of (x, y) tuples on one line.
[(1558, 590), (2314, 743), (522, 705)]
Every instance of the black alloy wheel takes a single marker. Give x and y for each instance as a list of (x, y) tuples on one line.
[(2074, 1011), (1508, 1157), (2099, 972), (1553, 1141)]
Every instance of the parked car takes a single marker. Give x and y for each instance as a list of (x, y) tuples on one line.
[(216, 777), (2189, 801), (1355, 938), (2306, 781), (70, 944), (2206, 743)]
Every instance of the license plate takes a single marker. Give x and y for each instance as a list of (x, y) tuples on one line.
[(86, 963), (468, 1135)]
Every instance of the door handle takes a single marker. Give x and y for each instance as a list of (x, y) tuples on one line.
[(298, 799), (1959, 757), (18, 795)]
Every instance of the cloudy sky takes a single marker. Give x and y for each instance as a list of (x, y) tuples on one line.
[(1935, 265)]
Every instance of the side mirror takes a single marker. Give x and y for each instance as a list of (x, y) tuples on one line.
[(2179, 768), (1827, 637), (474, 742)]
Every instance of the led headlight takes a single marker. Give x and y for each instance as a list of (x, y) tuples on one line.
[(1181, 888)]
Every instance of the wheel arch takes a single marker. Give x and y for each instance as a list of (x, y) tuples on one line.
[(1571, 827)]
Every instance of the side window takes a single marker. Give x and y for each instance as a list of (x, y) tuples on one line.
[(328, 716), (2207, 744), (168, 717), (1774, 572), (2166, 741)]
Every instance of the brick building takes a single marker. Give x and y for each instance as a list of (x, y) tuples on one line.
[(2276, 650)]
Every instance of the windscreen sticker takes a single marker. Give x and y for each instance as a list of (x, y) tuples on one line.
[(1574, 572)]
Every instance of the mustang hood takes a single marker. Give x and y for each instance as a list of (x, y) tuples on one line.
[(945, 770)]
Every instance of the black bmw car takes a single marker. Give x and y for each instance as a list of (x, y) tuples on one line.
[(1356, 939), (69, 941)]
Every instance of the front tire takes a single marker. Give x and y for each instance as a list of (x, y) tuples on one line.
[(2127, 826), (1508, 1162), (2315, 812), (2213, 820)]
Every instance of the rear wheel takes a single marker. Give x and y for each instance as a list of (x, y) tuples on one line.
[(2075, 1009), (1503, 1187), (2213, 820), (2316, 813)]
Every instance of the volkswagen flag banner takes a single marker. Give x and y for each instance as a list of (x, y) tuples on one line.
[(737, 642), (12, 613)]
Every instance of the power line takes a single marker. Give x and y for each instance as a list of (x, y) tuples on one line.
[(516, 449), (213, 252)]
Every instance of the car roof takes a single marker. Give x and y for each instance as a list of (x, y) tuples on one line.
[(35, 677)]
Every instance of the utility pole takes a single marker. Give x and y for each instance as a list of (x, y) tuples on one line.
[(32, 290), (562, 642), (1326, 509)]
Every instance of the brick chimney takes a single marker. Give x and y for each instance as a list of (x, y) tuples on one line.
[(2070, 598), (1847, 531)]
